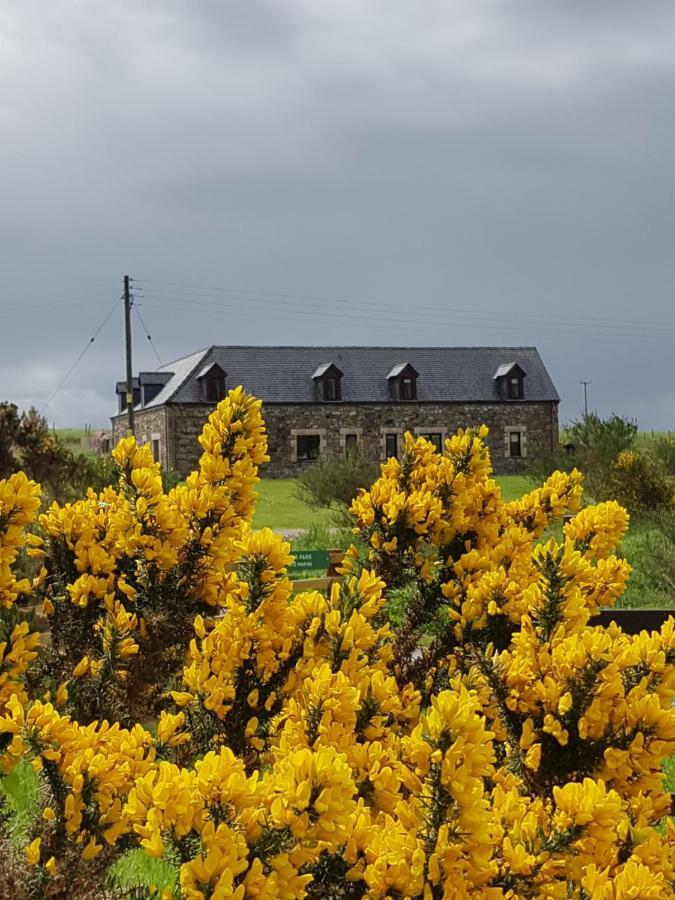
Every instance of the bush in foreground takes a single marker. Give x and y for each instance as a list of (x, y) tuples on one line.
[(267, 744)]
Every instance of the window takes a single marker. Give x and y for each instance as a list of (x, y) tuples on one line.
[(515, 444), (515, 388), (436, 439), (308, 447), (150, 391), (390, 445), (214, 388), (331, 388), (351, 444), (402, 380), (123, 398), (328, 380), (407, 389), (155, 449)]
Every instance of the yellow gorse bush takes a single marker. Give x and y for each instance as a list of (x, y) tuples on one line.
[(446, 723)]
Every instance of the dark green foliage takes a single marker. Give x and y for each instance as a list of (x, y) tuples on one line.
[(664, 449), (640, 483), (334, 481), (603, 439), (592, 446), (638, 479), (85, 471), (27, 443), (9, 431)]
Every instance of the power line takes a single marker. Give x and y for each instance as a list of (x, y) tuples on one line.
[(195, 289), (413, 321), (58, 302), (84, 350), (405, 315), (147, 334)]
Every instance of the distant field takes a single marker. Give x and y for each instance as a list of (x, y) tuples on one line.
[(280, 507), (645, 438), (71, 436)]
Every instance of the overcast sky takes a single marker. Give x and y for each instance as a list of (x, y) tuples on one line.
[(338, 171)]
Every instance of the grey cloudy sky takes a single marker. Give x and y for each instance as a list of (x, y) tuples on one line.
[(431, 172)]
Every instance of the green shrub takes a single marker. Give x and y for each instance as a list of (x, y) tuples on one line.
[(639, 482), (84, 471), (664, 449), (332, 482)]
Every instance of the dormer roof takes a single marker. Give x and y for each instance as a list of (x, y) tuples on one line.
[(326, 369), (121, 386), (400, 368), (212, 369), (154, 377), (506, 369)]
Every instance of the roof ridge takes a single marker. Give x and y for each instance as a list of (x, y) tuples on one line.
[(403, 347), (181, 358)]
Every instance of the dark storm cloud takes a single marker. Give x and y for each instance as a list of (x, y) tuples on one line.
[(511, 156)]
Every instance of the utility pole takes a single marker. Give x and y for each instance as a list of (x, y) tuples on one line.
[(128, 302), (585, 384)]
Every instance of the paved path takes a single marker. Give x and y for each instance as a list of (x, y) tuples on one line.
[(289, 534)]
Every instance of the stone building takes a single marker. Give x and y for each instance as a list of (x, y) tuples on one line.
[(328, 400)]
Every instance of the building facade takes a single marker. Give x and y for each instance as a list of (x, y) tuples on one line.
[(329, 400)]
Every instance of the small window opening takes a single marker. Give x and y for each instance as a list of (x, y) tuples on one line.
[(155, 449), (331, 389), (351, 444), (515, 388), (308, 447), (436, 439), (214, 389), (407, 388), (391, 445), (515, 444)]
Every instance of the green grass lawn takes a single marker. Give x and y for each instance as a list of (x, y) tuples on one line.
[(280, 507)]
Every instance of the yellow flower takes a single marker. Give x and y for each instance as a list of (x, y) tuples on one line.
[(91, 850), (32, 851)]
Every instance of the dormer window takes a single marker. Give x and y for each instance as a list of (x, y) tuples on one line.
[(328, 381), (510, 381), (331, 389), (515, 388), (121, 391), (403, 382), (407, 388), (152, 384), (212, 379)]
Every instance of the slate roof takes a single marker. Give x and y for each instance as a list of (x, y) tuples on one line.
[(284, 374), (153, 378)]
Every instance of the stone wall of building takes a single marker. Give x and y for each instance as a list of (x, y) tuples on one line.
[(176, 428), (536, 422), (150, 426)]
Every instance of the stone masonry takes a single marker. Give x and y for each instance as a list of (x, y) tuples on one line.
[(172, 430)]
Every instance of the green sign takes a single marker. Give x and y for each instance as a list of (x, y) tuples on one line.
[(309, 561)]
